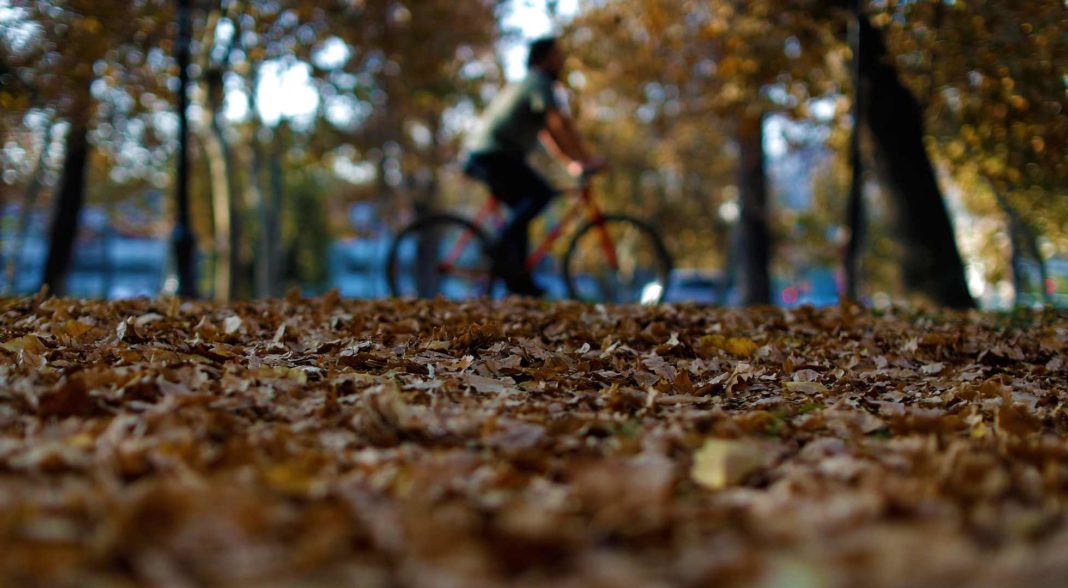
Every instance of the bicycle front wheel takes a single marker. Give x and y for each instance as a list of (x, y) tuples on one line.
[(439, 255), (618, 259)]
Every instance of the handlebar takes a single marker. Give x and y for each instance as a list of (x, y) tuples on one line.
[(587, 175)]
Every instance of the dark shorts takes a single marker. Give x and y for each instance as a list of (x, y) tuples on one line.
[(509, 177)]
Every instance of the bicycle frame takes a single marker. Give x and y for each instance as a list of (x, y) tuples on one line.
[(492, 210)]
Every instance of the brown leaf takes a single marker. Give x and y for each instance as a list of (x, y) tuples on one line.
[(488, 385), (25, 343), (511, 435), (70, 397), (1015, 420)]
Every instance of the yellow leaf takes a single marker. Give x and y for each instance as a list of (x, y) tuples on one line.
[(737, 346), (92, 25), (805, 387), (291, 479), (26, 343), (77, 328), (81, 441), (280, 373), (721, 463), (741, 346)]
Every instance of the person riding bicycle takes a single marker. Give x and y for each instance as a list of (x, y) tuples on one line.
[(509, 130)]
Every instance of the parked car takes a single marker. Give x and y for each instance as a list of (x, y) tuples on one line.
[(697, 285), (113, 266), (357, 267), (815, 286)]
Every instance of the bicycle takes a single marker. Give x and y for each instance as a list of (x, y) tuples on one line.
[(611, 258)]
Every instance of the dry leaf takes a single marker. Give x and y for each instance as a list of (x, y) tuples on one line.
[(737, 346), (232, 324), (805, 387), (721, 463), (26, 343), (488, 441), (488, 385)]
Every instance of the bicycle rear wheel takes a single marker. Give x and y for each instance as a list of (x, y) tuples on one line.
[(618, 260), (439, 255)]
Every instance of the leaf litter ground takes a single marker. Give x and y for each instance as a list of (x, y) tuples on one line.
[(395, 443)]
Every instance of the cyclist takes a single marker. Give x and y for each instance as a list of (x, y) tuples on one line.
[(509, 130)]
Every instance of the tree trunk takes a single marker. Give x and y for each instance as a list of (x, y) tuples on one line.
[(225, 206), (1031, 243), (273, 226), (855, 216), (29, 202), (932, 265), (226, 211), (1023, 242), (265, 264), (755, 238), (107, 268), (183, 239), (425, 204), (69, 199), (254, 198), (427, 248)]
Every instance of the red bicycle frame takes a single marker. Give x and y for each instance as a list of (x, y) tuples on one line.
[(492, 210)]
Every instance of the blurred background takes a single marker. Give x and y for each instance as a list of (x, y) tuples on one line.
[(317, 129)]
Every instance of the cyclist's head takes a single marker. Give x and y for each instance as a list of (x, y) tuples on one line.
[(545, 54)]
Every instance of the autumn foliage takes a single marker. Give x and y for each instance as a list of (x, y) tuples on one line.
[(326, 442)]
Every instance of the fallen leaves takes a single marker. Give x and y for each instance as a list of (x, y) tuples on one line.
[(28, 343), (232, 324), (68, 398), (721, 463), (736, 346), (1015, 420), (814, 388), (306, 441)]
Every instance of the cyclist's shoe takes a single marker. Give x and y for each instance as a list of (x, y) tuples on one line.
[(509, 266), (502, 262), (523, 284)]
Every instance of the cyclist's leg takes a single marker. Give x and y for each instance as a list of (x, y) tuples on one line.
[(517, 231), (527, 194), (534, 195)]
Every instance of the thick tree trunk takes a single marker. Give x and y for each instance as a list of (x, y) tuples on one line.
[(933, 264), (755, 238), (69, 199), (183, 239)]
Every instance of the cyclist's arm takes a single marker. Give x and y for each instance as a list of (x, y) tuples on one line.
[(562, 140), (553, 149)]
